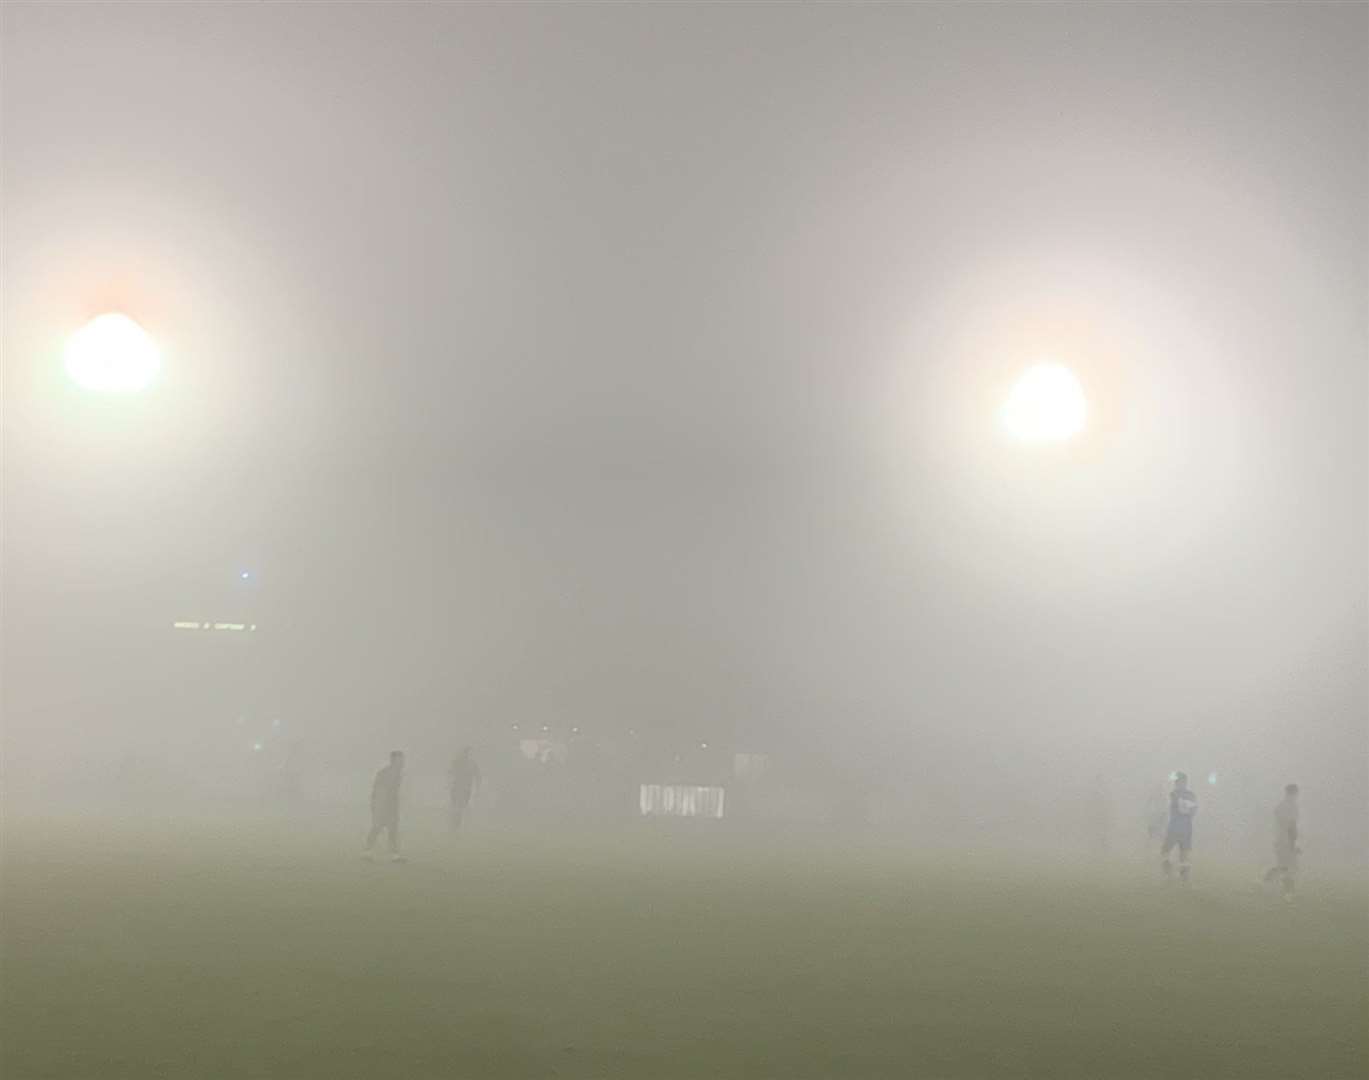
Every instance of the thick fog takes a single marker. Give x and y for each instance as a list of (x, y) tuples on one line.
[(634, 372)]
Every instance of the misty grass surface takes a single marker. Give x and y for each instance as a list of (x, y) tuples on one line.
[(195, 953)]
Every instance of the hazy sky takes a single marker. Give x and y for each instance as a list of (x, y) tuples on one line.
[(608, 362)]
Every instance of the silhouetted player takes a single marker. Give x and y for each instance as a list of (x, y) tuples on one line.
[(1183, 805), (385, 806), (1286, 850), (463, 778)]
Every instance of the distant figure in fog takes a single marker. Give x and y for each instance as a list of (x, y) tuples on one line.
[(462, 779), (1183, 805), (1286, 850), (385, 806)]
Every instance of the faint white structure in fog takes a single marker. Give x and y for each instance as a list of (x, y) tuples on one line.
[(681, 800)]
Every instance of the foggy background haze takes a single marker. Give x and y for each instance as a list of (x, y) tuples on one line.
[(639, 367)]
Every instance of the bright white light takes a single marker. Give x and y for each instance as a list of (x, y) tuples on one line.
[(1212, 778), (1046, 405), (112, 354)]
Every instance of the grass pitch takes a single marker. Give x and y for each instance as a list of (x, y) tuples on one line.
[(648, 954)]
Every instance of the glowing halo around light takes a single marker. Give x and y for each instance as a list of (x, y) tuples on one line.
[(1046, 405), (112, 354)]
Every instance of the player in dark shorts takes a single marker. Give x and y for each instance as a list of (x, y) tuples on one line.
[(462, 779), (385, 806), (1183, 805)]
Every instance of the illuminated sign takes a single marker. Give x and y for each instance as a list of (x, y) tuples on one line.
[(231, 627), (681, 800)]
